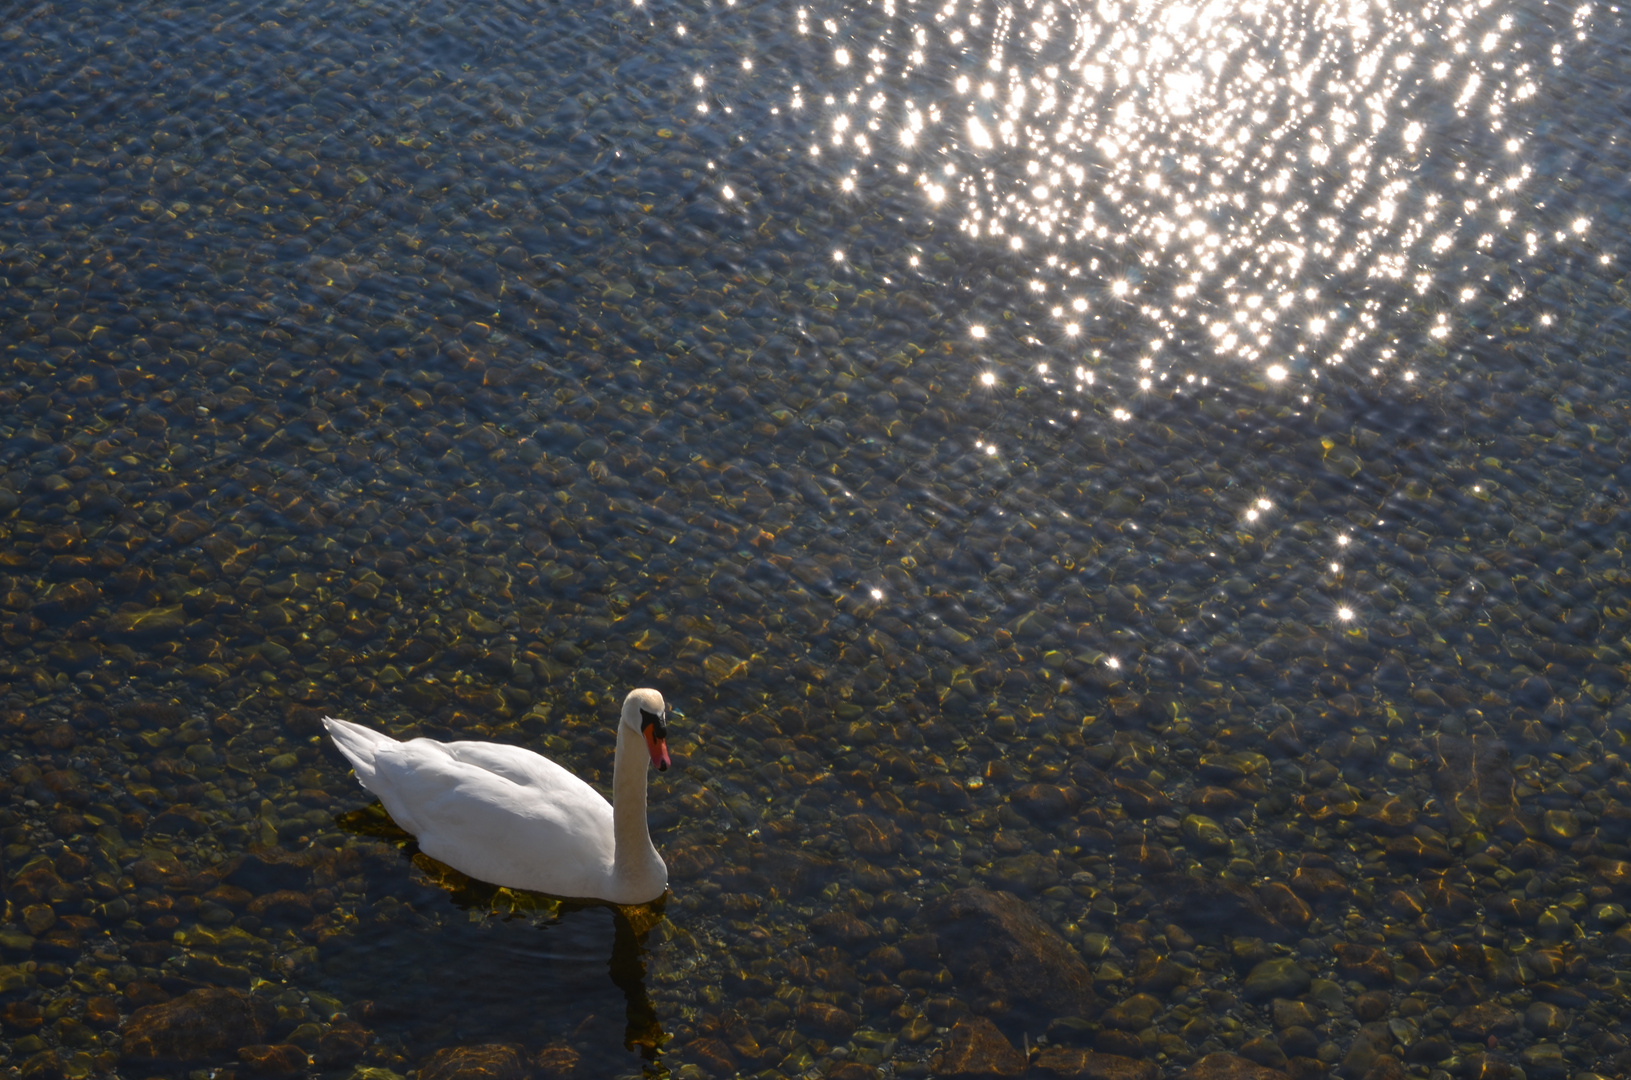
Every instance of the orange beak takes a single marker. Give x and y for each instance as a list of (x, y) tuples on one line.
[(657, 747)]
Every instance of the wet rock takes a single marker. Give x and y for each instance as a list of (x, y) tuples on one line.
[(1159, 975), (712, 1054), (282, 906), (828, 1021), (1533, 693), (1134, 1013), (1265, 1052), (199, 1026), (1140, 798), (1431, 1050), (871, 835), (22, 1016), (555, 1063), (1288, 1013), (67, 600), (976, 1050), (1285, 906), (1545, 1019), (842, 926), (1226, 1066), (268, 871), (1478, 1022), (1485, 1067), (995, 944), (147, 626), (1074, 1063), (1028, 872), (277, 1061), (1046, 803), (1544, 1061), (1367, 1049), (1318, 884), (139, 992), (341, 1045), (1211, 908), (1364, 963), (486, 1061), (1372, 1006), (1299, 1042), (1279, 977)]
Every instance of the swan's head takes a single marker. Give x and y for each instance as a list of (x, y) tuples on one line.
[(644, 711)]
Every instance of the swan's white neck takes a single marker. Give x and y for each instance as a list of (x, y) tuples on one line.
[(637, 869)]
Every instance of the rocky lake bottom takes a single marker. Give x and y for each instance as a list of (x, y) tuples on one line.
[(398, 365)]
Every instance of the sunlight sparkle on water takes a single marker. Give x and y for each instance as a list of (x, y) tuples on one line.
[(1205, 162)]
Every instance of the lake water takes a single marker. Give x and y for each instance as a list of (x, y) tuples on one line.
[(1162, 467)]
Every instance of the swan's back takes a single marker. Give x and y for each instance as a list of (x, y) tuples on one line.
[(498, 813)]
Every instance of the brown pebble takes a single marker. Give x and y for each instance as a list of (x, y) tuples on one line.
[(975, 1048), (23, 1016), (198, 1026), (485, 1061), (277, 1061), (871, 835), (1290, 1013), (1134, 1014), (1372, 1006), (140, 992), (842, 926), (1285, 906), (826, 1020), (1074, 1063), (1265, 1052), (555, 1063), (1140, 798), (995, 942), (712, 1054), (1364, 963), (284, 905), (1318, 884), (102, 1011), (1213, 800), (1225, 1066), (341, 1045), (1477, 1022)]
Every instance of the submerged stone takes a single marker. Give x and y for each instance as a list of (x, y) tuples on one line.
[(199, 1026)]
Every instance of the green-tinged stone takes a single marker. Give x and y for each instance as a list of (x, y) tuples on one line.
[(1279, 977), (481, 624), (14, 979), (1202, 830), (1560, 825), (13, 942)]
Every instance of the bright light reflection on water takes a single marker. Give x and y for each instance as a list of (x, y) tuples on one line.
[(1294, 187)]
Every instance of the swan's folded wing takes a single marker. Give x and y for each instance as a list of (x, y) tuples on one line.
[(521, 766), (480, 822)]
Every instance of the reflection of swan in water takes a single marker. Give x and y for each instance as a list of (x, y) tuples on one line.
[(498, 987), (508, 816)]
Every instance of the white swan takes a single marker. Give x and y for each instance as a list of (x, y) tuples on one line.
[(508, 816)]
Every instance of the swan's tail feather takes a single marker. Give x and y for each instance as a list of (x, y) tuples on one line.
[(359, 745)]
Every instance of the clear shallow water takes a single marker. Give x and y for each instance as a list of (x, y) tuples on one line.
[(454, 370)]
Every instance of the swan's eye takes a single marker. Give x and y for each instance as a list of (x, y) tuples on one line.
[(656, 723)]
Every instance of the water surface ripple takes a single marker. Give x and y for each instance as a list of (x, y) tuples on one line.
[(1129, 498)]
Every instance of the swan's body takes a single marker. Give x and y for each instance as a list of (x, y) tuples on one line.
[(508, 816)]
